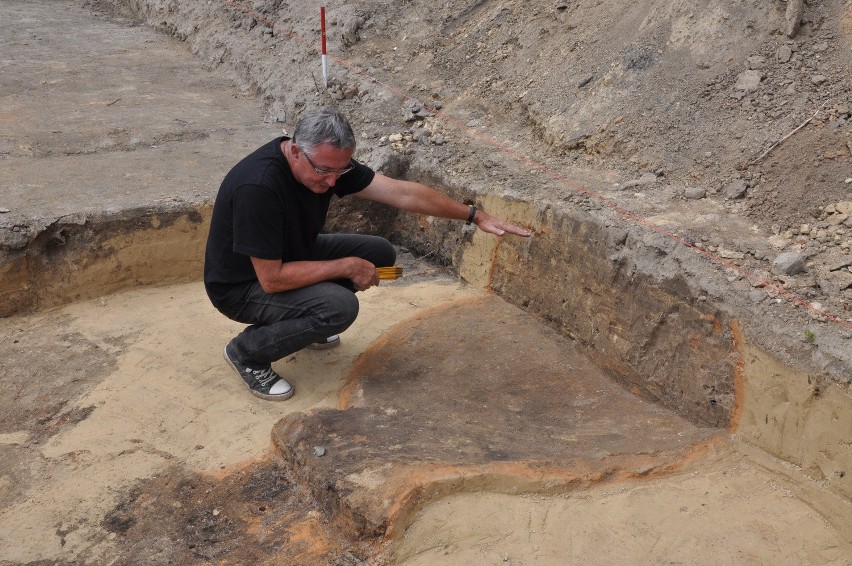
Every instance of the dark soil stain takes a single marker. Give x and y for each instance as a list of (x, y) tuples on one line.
[(252, 515)]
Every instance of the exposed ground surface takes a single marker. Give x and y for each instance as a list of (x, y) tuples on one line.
[(139, 446), (147, 450), (650, 106)]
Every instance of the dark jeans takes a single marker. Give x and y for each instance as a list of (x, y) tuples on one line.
[(283, 323)]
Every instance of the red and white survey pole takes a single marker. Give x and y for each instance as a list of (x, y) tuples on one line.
[(324, 55)]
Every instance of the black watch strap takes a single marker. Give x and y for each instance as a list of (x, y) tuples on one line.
[(471, 216)]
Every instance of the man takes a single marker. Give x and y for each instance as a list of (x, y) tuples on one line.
[(268, 266)]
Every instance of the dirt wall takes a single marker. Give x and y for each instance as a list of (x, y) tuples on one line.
[(799, 418), (86, 256), (629, 302), (653, 331)]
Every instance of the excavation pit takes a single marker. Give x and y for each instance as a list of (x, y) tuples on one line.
[(443, 405), (480, 419)]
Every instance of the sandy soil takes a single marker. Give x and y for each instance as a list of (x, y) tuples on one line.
[(160, 406), (160, 396), (726, 510)]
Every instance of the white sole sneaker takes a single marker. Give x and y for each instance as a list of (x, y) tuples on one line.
[(330, 342), (263, 383)]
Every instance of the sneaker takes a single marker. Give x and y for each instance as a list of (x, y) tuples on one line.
[(330, 342), (264, 382)]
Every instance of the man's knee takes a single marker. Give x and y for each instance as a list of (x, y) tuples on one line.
[(341, 308), (385, 253)]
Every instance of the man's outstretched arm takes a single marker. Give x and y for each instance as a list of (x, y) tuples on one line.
[(416, 197)]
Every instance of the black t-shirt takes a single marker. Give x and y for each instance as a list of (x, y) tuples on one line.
[(262, 211)]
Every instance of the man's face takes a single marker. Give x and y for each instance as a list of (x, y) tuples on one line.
[(321, 170)]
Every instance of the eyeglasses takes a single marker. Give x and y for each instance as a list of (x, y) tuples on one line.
[(325, 172)]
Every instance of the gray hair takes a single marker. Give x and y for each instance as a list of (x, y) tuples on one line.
[(323, 126)]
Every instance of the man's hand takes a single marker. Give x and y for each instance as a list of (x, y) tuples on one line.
[(415, 197), (494, 225), (362, 273)]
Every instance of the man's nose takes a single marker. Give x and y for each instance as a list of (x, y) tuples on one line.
[(331, 179)]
